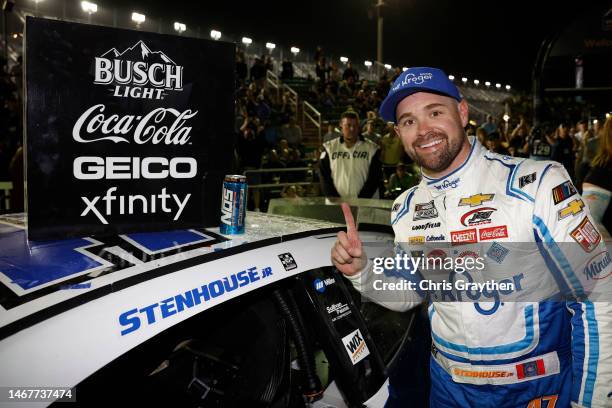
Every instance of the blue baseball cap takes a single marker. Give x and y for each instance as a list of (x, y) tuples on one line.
[(413, 80)]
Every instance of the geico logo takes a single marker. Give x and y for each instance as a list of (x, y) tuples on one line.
[(116, 168), (482, 374)]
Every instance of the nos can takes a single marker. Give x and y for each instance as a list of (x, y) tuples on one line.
[(233, 205)]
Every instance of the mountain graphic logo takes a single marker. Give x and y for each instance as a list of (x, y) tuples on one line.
[(138, 52)]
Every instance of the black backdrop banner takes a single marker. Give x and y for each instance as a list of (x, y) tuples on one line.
[(125, 130)]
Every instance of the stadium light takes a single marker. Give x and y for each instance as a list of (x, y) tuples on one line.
[(476, 82), (388, 66), (487, 83), (138, 18), (89, 7), (215, 35), (247, 41), (451, 77), (464, 80), (343, 60), (270, 46), (179, 27), (498, 85), (295, 50), (367, 63), (507, 87)]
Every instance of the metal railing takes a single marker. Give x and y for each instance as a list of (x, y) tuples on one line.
[(273, 81), (279, 184), (293, 97), (314, 116)]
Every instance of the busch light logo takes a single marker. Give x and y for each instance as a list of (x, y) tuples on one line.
[(321, 284), (597, 265), (411, 79), (445, 185), (138, 72)]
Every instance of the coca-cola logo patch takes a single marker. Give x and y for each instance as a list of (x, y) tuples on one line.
[(486, 234)]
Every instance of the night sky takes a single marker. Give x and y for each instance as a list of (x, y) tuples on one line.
[(491, 40)]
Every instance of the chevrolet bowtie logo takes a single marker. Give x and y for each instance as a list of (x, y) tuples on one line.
[(476, 199), (573, 208)]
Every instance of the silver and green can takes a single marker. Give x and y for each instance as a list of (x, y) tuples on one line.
[(233, 205)]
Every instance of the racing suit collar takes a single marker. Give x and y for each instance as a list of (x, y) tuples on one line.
[(454, 179)]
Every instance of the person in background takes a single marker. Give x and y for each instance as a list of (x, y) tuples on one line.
[(581, 129), (17, 177), (494, 144), (391, 150), (292, 132), (517, 141), (350, 165), (481, 135), (350, 72), (563, 149), (287, 70), (251, 146), (588, 148), (331, 133), (402, 180), (258, 73), (597, 185), (370, 133), (489, 126), (538, 145), (242, 69)]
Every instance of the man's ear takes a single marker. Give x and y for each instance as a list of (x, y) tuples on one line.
[(463, 112)]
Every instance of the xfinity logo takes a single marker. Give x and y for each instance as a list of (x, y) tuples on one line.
[(138, 72)]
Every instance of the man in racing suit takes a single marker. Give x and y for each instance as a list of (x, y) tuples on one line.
[(531, 227)]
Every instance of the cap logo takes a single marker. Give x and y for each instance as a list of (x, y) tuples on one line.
[(413, 79)]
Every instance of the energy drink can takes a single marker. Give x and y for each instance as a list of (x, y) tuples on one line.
[(233, 205)]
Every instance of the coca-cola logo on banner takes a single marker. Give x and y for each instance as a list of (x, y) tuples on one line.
[(134, 134)]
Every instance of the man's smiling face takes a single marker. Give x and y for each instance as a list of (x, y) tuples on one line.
[(431, 128)]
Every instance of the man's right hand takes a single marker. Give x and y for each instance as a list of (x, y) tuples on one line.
[(347, 254)]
